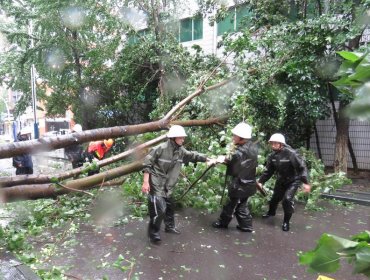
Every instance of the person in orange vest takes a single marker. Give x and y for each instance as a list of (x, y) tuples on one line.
[(98, 149)]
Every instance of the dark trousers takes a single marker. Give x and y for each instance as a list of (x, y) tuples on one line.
[(77, 164), (239, 208), (23, 170), (285, 193), (160, 208)]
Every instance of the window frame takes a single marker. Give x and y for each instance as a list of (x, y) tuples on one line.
[(233, 11), (194, 21)]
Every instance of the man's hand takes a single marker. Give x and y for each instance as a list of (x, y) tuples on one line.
[(261, 189), (221, 159), (145, 188), (211, 161), (306, 188)]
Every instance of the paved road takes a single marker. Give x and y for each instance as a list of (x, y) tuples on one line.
[(46, 163), (202, 252)]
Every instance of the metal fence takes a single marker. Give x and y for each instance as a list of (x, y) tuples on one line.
[(359, 133)]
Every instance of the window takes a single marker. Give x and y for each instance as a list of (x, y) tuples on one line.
[(234, 20), (191, 29), (243, 15), (133, 39), (228, 23)]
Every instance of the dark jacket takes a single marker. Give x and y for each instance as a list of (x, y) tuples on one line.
[(164, 163), (23, 164), (242, 169), (288, 166), (23, 161), (74, 153)]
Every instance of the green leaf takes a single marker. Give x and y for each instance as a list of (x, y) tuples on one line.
[(325, 257), (362, 261), (347, 81), (351, 56), (54, 180), (362, 236), (361, 75)]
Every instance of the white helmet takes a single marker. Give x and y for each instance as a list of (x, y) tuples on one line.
[(277, 137), (242, 130), (77, 128), (176, 131)]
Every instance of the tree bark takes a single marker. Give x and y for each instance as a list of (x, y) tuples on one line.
[(137, 151), (56, 142), (341, 141), (24, 192)]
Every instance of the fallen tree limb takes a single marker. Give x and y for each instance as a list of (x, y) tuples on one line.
[(42, 179), (56, 142), (24, 192)]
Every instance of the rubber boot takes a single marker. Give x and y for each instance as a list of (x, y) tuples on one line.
[(285, 226)]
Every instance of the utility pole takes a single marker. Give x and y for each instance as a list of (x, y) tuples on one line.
[(33, 88)]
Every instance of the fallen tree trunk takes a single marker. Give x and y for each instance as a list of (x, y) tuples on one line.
[(24, 192), (52, 143), (42, 179)]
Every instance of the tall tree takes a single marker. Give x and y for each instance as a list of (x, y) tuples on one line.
[(291, 45), (94, 57)]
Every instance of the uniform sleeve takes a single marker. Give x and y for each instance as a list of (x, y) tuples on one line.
[(268, 172), (300, 166), (233, 165), (191, 156), (17, 161), (151, 159)]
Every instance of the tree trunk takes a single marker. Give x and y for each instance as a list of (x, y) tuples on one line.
[(24, 192), (137, 151), (341, 141), (336, 121), (57, 142)]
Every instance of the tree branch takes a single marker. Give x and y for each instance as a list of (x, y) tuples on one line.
[(41, 179)]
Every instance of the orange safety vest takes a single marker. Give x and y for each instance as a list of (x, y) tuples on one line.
[(97, 148)]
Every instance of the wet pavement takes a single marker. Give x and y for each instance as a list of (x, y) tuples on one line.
[(12, 269), (44, 163), (201, 252)]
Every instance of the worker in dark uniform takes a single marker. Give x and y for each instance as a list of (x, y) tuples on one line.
[(241, 172), (161, 170), (291, 172), (23, 163), (75, 153)]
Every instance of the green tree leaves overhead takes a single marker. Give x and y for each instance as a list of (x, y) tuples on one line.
[(70, 40), (354, 74), (292, 63), (83, 55)]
